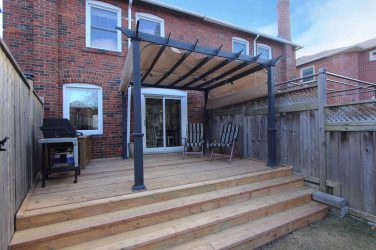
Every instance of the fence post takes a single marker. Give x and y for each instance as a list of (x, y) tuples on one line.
[(321, 89), (31, 124)]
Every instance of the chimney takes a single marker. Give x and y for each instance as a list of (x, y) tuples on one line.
[(283, 13)]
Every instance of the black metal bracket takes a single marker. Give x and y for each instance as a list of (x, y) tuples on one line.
[(219, 49), (137, 27), (237, 54), (2, 143), (275, 60)]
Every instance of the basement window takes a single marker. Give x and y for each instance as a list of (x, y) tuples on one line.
[(307, 71), (101, 22), (239, 44), (82, 105), (150, 24)]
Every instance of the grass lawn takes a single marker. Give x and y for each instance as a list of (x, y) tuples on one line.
[(330, 233)]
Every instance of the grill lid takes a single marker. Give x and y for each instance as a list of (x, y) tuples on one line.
[(57, 127)]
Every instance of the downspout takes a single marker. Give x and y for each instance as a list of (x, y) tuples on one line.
[(129, 88), (255, 45)]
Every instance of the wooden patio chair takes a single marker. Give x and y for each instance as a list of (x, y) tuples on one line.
[(195, 138), (227, 139)]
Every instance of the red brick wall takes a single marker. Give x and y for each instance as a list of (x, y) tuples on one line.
[(353, 64), (283, 14), (367, 68), (343, 64), (18, 32), (53, 48), (196, 103)]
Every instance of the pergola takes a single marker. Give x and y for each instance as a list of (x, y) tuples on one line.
[(161, 62)]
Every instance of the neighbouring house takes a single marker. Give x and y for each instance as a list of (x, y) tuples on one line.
[(357, 61), (76, 56)]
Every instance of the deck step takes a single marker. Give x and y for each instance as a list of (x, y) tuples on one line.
[(259, 232), (129, 219), (56, 214), (177, 231)]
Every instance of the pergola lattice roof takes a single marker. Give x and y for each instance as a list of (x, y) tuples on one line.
[(168, 63)]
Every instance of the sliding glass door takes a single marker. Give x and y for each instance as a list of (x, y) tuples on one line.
[(163, 123), (154, 122)]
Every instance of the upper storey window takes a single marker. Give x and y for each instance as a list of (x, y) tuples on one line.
[(150, 24), (240, 44), (307, 73), (101, 22), (265, 51), (372, 55)]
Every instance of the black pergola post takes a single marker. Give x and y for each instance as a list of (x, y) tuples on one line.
[(137, 134), (272, 137), (206, 122)]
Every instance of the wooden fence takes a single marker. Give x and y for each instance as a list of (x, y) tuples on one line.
[(21, 114), (332, 146)]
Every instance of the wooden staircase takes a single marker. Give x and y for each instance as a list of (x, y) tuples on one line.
[(244, 211)]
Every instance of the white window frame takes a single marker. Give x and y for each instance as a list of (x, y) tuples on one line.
[(371, 56), (313, 72), (81, 86), (152, 18), (240, 40), (104, 6), (264, 46)]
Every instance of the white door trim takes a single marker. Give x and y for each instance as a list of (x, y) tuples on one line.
[(169, 94)]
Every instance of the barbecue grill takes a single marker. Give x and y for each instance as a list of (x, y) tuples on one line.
[(55, 128), (60, 141)]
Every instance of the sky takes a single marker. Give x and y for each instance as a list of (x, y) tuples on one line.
[(316, 25)]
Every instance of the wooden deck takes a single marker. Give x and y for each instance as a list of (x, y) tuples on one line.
[(189, 204), (106, 178)]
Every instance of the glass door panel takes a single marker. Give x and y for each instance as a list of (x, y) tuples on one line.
[(173, 122), (154, 122)]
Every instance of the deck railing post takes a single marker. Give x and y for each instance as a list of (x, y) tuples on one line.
[(321, 89), (137, 135), (272, 132)]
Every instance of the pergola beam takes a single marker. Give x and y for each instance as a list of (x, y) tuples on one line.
[(210, 71), (193, 70), (197, 67), (228, 72), (156, 58), (164, 86), (176, 65), (237, 77)]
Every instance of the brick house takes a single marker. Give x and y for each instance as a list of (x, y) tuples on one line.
[(76, 57), (357, 61)]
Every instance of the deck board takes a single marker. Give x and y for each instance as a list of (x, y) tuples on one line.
[(105, 178)]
